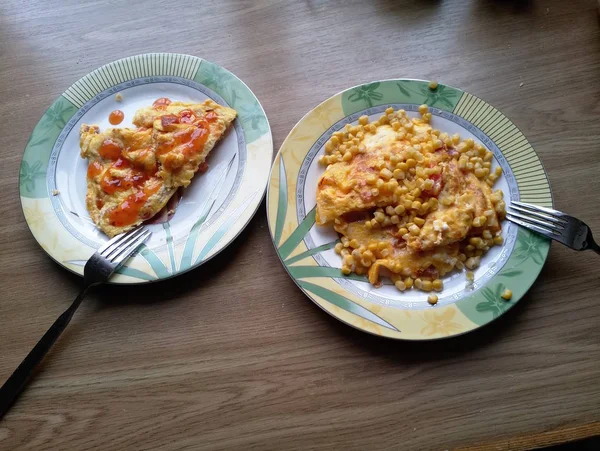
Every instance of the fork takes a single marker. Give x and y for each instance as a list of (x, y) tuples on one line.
[(553, 224), (98, 270)]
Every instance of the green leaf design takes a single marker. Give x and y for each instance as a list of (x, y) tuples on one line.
[(237, 95), (29, 174), (282, 202), (225, 226), (302, 272), (402, 89), (386, 92), (39, 146), (529, 246), (188, 250), (251, 115), (367, 93), (310, 252), (125, 270), (511, 273), (493, 303), (297, 235), (442, 95), (345, 304), (155, 262), (170, 247)]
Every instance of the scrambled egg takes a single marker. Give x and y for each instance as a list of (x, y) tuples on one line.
[(410, 202), (133, 172)]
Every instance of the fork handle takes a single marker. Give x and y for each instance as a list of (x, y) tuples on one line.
[(17, 381)]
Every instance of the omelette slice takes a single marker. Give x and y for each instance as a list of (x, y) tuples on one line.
[(133, 173), (408, 201), (183, 134), (123, 189)]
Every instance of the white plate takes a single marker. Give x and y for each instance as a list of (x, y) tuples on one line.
[(213, 210)]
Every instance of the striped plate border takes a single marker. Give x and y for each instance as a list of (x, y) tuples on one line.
[(139, 66), (524, 162)]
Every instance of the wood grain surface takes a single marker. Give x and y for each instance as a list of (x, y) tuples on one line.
[(233, 355)]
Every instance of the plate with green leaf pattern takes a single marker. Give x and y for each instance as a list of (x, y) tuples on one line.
[(307, 250), (209, 213)]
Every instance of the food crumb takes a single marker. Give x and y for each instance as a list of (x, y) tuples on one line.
[(119, 97), (506, 295), (433, 85), (432, 299), (521, 85), (55, 192)]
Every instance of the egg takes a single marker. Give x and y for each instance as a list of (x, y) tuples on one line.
[(133, 173)]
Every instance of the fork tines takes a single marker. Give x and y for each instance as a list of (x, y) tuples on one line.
[(122, 246), (543, 220)]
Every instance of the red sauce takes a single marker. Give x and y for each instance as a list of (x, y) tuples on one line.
[(162, 103), (211, 116), (133, 178), (94, 169), (128, 211), (189, 141), (116, 117), (168, 119), (187, 117), (110, 150)]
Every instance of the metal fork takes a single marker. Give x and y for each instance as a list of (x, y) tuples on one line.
[(98, 270), (553, 224)]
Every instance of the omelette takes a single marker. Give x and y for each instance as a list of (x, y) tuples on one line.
[(133, 173), (410, 202)]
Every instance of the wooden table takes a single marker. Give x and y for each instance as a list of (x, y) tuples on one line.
[(233, 355)]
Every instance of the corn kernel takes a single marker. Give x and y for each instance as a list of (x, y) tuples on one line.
[(399, 210), (470, 276), (389, 110), (403, 166), (423, 109), (432, 299), (398, 174), (346, 270), (479, 221), (363, 120), (419, 221), (400, 285), (438, 285), (395, 219), (427, 285), (354, 243), (379, 184), (338, 248), (472, 262), (414, 229), (385, 173), (433, 85), (402, 231), (498, 240), (408, 282), (506, 295)]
